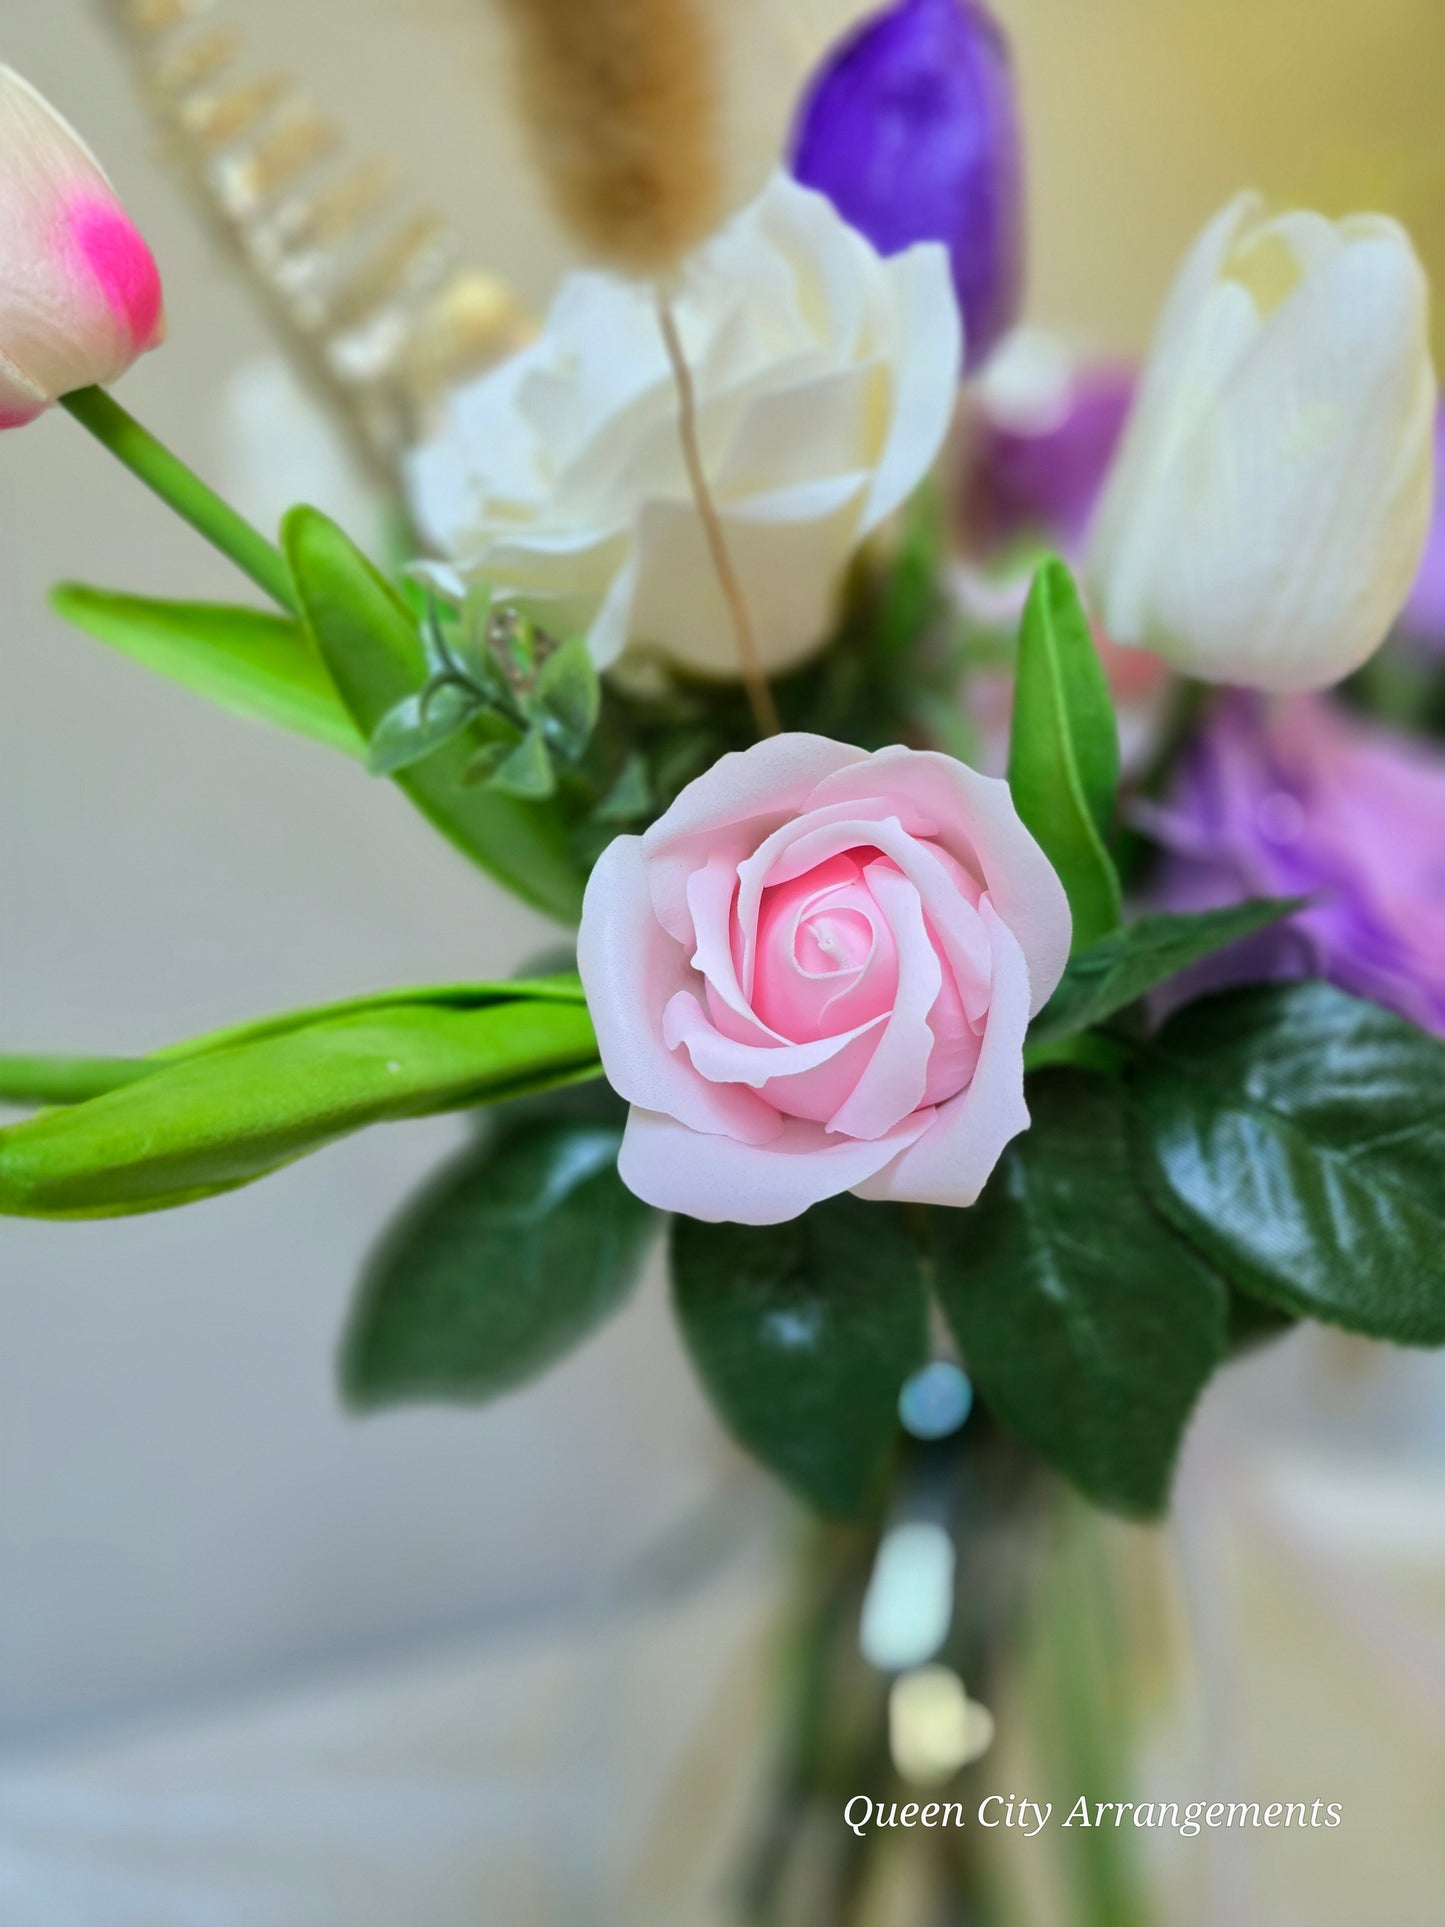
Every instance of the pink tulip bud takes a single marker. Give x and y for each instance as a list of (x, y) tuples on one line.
[(80, 297)]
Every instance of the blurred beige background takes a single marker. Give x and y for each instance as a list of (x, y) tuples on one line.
[(184, 1514)]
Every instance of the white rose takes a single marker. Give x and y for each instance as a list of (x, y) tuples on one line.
[(826, 379), (1269, 508)]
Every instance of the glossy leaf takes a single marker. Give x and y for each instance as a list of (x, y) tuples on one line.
[(803, 1334), (1064, 750), (254, 664), (210, 1122), (1088, 1326), (1112, 974), (1296, 1136), (370, 642), (518, 1252)]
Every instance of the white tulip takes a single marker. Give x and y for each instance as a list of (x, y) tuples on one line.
[(826, 379), (1268, 511)]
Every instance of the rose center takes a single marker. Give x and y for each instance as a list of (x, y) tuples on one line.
[(826, 960)]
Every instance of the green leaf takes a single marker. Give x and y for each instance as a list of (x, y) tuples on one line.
[(50, 1079), (1088, 1326), (1115, 972), (422, 723), (630, 797), (55, 1079), (560, 987), (517, 1253), (1296, 1136), (209, 1122), (1064, 750), (525, 771), (253, 664), (803, 1334), (371, 644), (570, 693)]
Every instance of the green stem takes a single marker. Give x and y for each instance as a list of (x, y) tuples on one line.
[(67, 1080), (184, 491)]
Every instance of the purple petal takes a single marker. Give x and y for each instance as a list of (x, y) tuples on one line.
[(911, 129), (1300, 798)]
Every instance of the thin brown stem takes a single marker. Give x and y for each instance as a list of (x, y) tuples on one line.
[(755, 682)]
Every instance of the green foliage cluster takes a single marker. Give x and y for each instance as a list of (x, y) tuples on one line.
[(1265, 1156)]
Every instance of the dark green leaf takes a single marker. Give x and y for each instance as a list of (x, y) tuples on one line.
[(518, 1252), (1088, 1326), (1296, 1135), (630, 796), (1119, 969), (803, 1334), (212, 1121), (253, 664), (372, 645), (1064, 750)]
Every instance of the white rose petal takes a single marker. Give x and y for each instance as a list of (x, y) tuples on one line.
[(826, 379), (1269, 509)]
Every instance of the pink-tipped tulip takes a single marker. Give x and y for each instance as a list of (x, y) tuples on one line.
[(80, 297)]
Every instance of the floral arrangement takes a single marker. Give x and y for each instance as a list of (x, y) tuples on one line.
[(978, 905)]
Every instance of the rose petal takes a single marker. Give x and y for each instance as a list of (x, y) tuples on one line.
[(979, 826), (722, 1181), (953, 1160), (731, 807), (722, 1060), (892, 1086), (631, 969)]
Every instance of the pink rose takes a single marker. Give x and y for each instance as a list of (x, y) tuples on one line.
[(81, 297), (814, 974)]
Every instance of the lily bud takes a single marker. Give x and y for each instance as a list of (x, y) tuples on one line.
[(80, 297), (911, 129), (1269, 508)]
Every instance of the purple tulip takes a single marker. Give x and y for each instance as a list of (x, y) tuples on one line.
[(1302, 798), (911, 130), (1035, 465)]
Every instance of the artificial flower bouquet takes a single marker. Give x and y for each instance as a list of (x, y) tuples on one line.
[(774, 620)]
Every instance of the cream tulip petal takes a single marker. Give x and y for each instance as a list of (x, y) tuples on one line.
[(628, 963), (954, 1159), (721, 1181), (1299, 513)]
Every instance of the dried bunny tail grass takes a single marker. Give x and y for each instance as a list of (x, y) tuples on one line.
[(621, 97)]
